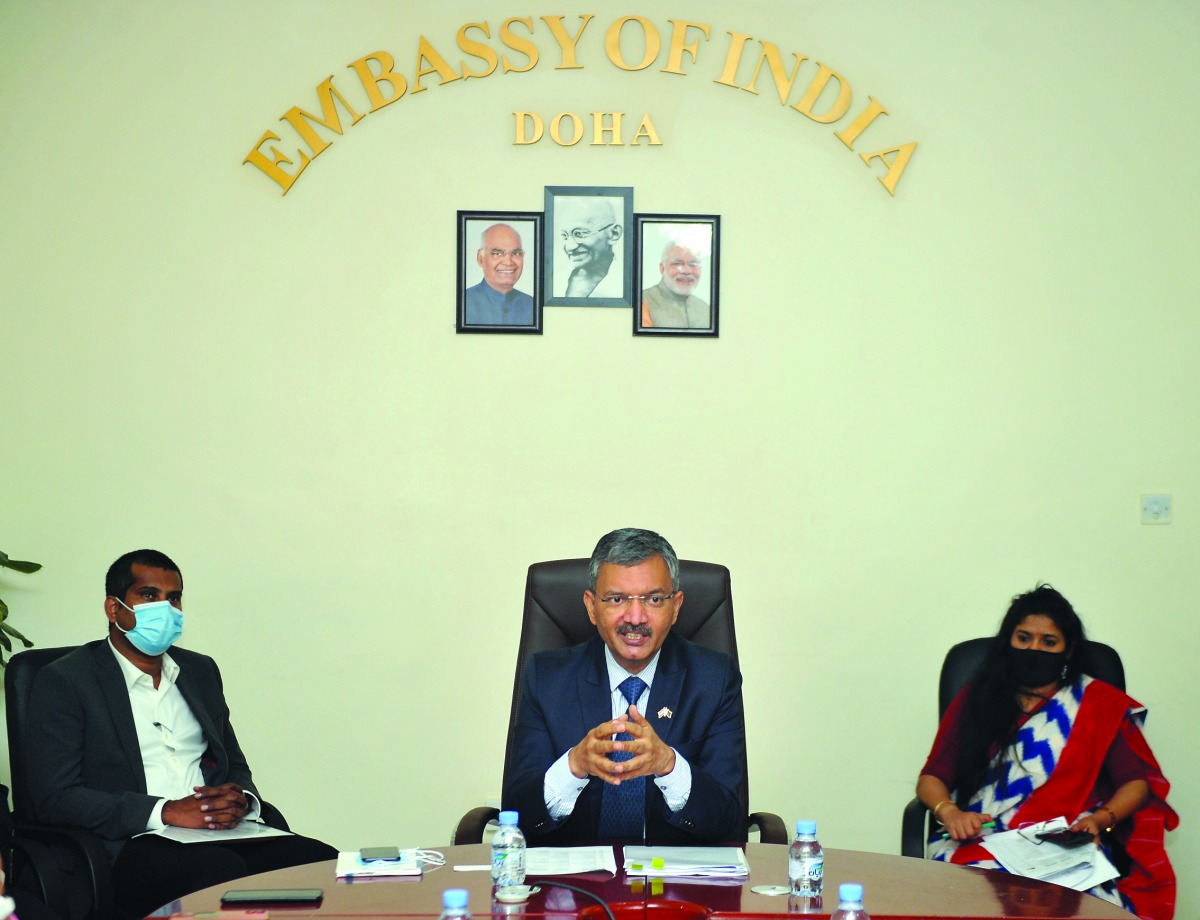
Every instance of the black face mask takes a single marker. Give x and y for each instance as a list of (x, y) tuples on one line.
[(1033, 668)]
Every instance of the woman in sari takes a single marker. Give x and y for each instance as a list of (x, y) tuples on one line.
[(1033, 737)]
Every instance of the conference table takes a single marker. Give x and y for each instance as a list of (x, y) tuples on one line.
[(896, 888)]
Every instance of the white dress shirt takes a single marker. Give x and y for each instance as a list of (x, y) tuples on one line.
[(561, 788), (169, 737)]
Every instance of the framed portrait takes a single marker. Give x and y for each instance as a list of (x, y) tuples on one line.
[(499, 282), (678, 274), (588, 254)]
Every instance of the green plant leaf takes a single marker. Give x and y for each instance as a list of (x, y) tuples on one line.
[(13, 631), (18, 565), (5, 641), (3, 611)]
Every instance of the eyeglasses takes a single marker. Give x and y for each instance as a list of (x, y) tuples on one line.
[(679, 263), (501, 253), (580, 234), (650, 601)]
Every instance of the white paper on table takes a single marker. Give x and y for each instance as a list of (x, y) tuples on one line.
[(686, 862), (245, 831), (1079, 867), (569, 860)]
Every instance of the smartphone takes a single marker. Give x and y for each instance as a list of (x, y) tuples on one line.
[(1067, 838), (379, 854), (273, 896)]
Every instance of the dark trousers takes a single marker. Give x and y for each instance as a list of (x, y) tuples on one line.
[(151, 871)]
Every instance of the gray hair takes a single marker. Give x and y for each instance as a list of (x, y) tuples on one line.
[(632, 546), (483, 235)]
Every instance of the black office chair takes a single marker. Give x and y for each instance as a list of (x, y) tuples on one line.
[(555, 617), (74, 874), (68, 868), (962, 663)]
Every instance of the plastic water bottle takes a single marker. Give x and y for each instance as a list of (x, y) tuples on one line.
[(850, 906), (454, 905), (806, 862), (508, 852)]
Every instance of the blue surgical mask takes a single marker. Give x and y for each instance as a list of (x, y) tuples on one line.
[(158, 626)]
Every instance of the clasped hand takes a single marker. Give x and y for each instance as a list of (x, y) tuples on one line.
[(215, 807), (650, 755)]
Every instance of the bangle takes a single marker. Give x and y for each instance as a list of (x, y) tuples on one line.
[(940, 805), (1112, 815)]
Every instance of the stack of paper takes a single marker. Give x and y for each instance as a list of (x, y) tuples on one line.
[(569, 860), (351, 865), (686, 862)]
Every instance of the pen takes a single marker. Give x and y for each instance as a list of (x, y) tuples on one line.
[(991, 825)]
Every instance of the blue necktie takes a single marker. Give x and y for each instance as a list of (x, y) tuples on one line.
[(623, 807)]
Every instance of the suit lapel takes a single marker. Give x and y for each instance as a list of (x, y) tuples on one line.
[(666, 691), (115, 693), (595, 696)]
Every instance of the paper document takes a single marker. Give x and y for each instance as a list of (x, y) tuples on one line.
[(244, 831), (569, 860), (351, 865), (686, 862), (1078, 867)]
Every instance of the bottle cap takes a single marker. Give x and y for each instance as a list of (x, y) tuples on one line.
[(454, 898), (850, 891), (806, 827), (508, 818)]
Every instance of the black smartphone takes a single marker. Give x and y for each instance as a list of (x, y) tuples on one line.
[(273, 896), (379, 854), (1067, 838)]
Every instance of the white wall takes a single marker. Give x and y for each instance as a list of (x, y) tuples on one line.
[(918, 406)]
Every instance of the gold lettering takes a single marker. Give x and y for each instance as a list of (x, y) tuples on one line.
[(438, 65), (612, 42), (271, 166), (371, 81), (556, 129), (678, 37), (737, 44), (522, 137), (809, 99), (783, 83), (476, 49), (565, 42), (895, 166), (859, 125), (517, 43), (646, 130), (599, 130), (326, 94)]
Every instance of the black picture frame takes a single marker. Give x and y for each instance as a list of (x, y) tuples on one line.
[(480, 307), (660, 292), (588, 207)]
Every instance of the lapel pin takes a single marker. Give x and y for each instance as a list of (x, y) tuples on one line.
[(664, 713)]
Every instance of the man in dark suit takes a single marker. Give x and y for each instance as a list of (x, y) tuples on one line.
[(636, 732), (127, 737)]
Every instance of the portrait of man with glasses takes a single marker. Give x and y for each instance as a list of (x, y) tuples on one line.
[(499, 281), (586, 245), (636, 733), (677, 274)]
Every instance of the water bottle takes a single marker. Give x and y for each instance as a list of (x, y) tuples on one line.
[(508, 852), (454, 905), (850, 903), (806, 862)]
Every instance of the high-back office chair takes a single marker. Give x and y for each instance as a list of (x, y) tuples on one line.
[(962, 663), (555, 617), (71, 872)]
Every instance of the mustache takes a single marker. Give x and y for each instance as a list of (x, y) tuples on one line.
[(633, 629)]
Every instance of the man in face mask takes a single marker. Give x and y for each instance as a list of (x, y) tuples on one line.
[(131, 734)]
